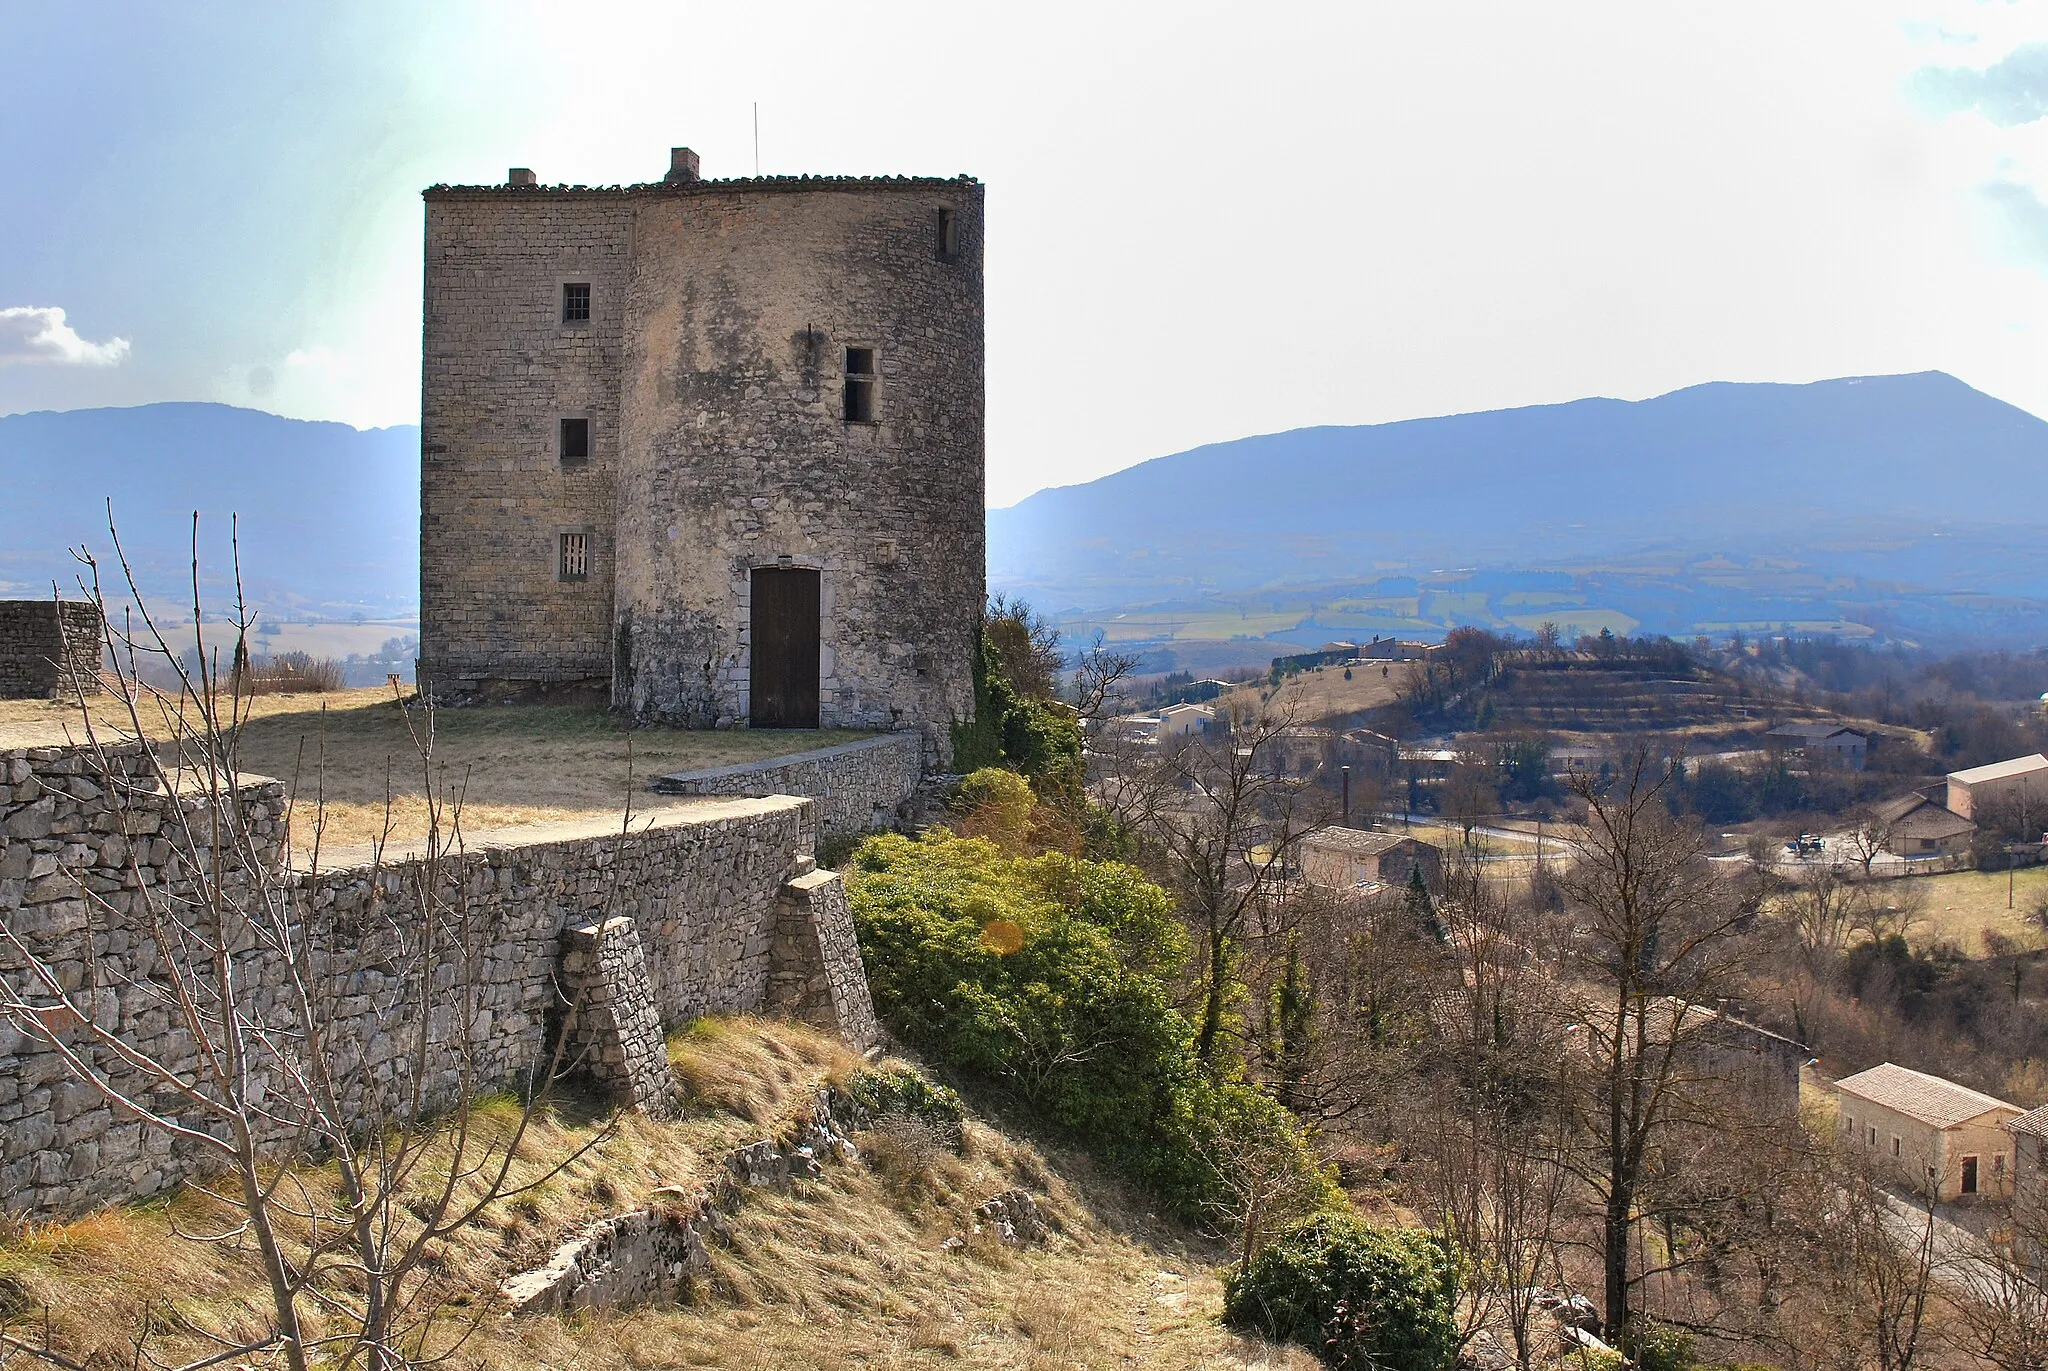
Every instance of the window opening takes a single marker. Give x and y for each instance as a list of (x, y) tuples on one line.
[(576, 303), (1969, 1175), (575, 441), (946, 241), (1898, 1145), (575, 557), (860, 386)]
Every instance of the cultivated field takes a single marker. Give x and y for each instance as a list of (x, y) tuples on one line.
[(354, 751)]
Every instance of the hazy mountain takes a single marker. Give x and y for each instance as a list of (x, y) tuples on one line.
[(328, 514), (1859, 492)]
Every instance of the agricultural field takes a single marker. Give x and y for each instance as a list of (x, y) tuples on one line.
[(1960, 908)]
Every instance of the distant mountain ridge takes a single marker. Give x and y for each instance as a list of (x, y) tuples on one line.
[(1586, 477), (1914, 481), (328, 515)]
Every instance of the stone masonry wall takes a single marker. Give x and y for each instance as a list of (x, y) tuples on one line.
[(700, 885), (858, 786), (502, 370), (48, 648), (713, 370)]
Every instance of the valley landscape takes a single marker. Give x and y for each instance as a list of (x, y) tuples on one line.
[(784, 757)]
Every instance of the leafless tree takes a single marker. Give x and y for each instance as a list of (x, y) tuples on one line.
[(2002, 1288), (1098, 687), (1027, 645), (1881, 1260), (275, 1072), (1226, 827), (1264, 1178), (1869, 835), (1655, 940)]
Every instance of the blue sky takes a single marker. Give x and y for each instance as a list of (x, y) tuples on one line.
[(1206, 220)]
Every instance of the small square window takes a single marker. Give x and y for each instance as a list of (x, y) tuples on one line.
[(859, 396), (575, 442), (946, 243), (576, 303), (575, 563)]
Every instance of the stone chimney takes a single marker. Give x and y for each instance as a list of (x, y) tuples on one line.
[(521, 176), (682, 166)]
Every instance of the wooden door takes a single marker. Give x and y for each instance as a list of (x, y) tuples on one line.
[(784, 682)]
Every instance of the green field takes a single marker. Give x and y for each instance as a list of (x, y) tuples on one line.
[(1572, 622)]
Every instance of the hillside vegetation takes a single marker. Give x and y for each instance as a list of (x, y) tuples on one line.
[(850, 1270)]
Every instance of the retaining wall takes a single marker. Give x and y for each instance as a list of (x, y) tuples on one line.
[(858, 786), (700, 887)]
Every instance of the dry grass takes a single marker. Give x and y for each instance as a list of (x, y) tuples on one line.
[(1309, 697), (849, 1271), (1961, 907), (511, 764)]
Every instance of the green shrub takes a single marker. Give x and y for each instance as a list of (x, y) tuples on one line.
[(1052, 976), (1356, 1294), (1656, 1347), (1039, 738), (903, 1092)]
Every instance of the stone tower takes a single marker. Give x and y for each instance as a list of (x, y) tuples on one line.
[(717, 443)]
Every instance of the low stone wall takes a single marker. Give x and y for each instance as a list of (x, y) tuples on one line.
[(858, 787), (696, 909), (48, 648)]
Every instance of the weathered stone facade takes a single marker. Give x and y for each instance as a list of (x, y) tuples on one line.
[(48, 649), (777, 374), (859, 787), (701, 887)]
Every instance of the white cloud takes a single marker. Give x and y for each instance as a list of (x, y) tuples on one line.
[(38, 333)]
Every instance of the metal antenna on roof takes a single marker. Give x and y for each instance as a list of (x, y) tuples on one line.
[(757, 139)]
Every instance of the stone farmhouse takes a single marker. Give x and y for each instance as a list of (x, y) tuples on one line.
[(1916, 826), (715, 447), (1929, 1131), (1354, 858)]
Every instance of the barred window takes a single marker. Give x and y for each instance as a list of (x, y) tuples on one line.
[(576, 303), (575, 557), (860, 386), (575, 442)]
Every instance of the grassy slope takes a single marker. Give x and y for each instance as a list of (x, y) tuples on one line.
[(514, 764), (848, 1271)]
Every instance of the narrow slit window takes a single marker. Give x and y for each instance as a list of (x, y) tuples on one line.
[(860, 386), (946, 241), (575, 557), (575, 442), (576, 303)]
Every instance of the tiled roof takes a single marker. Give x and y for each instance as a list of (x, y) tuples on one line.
[(2001, 771), (1917, 1095), (2033, 1123), (1364, 842)]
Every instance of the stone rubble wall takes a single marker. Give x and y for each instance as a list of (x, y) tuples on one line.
[(48, 649), (700, 886), (819, 976), (613, 1030), (653, 1253), (859, 786)]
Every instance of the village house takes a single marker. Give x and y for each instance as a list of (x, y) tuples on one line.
[(1184, 721), (1930, 1132), (1916, 827), (2018, 780), (1337, 858), (1823, 747), (2030, 1156)]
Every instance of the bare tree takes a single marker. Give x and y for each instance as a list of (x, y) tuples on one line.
[(1656, 939), (1882, 1260), (1869, 836), (1026, 644), (295, 1039), (2002, 1287), (1226, 827), (1098, 688)]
